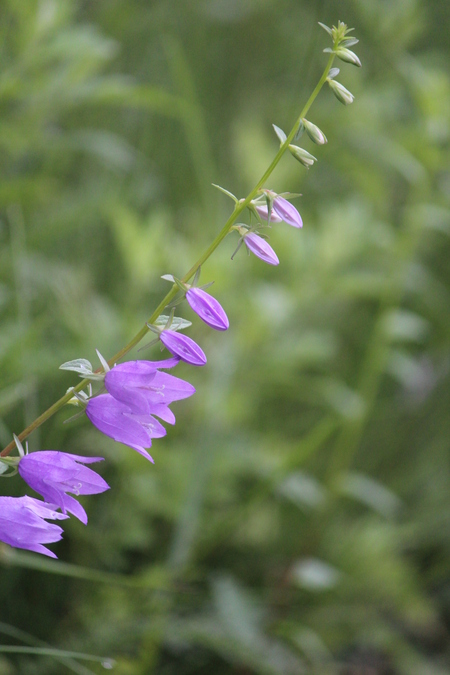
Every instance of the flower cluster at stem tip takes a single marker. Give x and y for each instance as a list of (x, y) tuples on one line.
[(135, 396)]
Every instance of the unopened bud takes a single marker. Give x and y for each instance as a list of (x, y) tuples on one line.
[(315, 134), (342, 94), (302, 155), (348, 56)]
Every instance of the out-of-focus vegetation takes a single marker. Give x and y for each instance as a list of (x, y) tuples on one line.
[(297, 518)]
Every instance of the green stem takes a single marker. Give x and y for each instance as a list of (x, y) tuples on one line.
[(239, 208)]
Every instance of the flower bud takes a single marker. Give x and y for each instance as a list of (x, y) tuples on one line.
[(348, 56), (207, 308), (342, 94), (259, 247), (302, 155), (183, 346), (315, 134), (287, 211)]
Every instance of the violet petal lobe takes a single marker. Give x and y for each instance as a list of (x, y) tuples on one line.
[(154, 428), (52, 474), (115, 419), (259, 247), (184, 347), (23, 524), (287, 212), (163, 412), (207, 308), (128, 382), (167, 388)]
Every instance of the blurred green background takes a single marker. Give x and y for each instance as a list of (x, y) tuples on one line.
[(297, 517)]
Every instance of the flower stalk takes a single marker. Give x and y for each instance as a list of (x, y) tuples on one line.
[(240, 206)]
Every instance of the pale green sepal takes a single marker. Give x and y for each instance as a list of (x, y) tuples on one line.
[(226, 192), (322, 25), (174, 280), (299, 132), (74, 417), (197, 276), (280, 133), (333, 73), (19, 446), (328, 50), (302, 155), (81, 366), (104, 362), (177, 322), (349, 42), (11, 464), (79, 398)]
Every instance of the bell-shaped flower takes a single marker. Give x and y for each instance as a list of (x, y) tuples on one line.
[(115, 419), (52, 474), (140, 386), (259, 247), (287, 211), (183, 346), (207, 308), (23, 524)]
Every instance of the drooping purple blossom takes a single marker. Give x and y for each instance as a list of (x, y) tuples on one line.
[(23, 524), (183, 346), (115, 419), (287, 211), (207, 308), (52, 474), (141, 386), (259, 247)]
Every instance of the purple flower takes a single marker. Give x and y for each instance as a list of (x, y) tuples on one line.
[(208, 308), (23, 524), (140, 386), (52, 474), (260, 248), (264, 214), (117, 420), (183, 346), (287, 212)]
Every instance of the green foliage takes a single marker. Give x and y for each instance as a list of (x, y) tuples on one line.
[(296, 519)]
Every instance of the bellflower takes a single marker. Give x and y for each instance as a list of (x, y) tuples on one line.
[(140, 386), (52, 474), (207, 308), (183, 346), (259, 247), (117, 420), (23, 524)]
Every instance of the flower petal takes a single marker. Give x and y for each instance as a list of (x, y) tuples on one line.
[(114, 419)]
